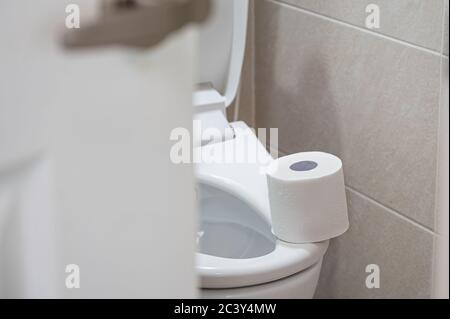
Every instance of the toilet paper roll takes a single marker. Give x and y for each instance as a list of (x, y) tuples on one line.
[(307, 197)]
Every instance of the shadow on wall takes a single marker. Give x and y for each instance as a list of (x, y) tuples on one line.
[(294, 93)]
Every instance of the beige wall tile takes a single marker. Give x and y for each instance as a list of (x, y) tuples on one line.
[(401, 250), (369, 100), (414, 21)]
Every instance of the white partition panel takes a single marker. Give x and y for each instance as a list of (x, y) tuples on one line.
[(85, 174)]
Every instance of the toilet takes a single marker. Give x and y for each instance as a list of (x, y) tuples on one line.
[(238, 256)]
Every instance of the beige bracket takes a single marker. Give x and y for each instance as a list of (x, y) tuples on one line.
[(137, 23)]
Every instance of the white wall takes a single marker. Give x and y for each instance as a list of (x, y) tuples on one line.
[(85, 176)]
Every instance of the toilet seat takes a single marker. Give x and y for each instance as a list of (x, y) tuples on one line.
[(246, 182), (285, 260)]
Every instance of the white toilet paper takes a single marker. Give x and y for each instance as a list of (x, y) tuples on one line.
[(307, 197)]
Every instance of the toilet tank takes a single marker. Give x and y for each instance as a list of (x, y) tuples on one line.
[(222, 46)]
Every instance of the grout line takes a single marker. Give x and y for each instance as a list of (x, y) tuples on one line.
[(443, 28), (343, 23), (384, 207), (437, 206), (444, 9), (253, 66), (439, 124), (392, 211)]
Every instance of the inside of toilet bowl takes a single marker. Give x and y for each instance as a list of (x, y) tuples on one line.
[(229, 228)]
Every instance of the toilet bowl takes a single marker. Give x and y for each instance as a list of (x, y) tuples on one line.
[(238, 256)]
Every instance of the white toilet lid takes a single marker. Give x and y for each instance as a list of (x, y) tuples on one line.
[(222, 44)]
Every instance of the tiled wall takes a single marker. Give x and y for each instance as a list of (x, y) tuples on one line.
[(373, 99)]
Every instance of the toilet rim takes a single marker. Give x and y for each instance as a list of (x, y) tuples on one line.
[(285, 260)]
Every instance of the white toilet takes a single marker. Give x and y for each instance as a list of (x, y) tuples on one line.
[(238, 256)]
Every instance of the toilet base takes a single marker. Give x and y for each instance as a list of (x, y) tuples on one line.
[(299, 286)]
